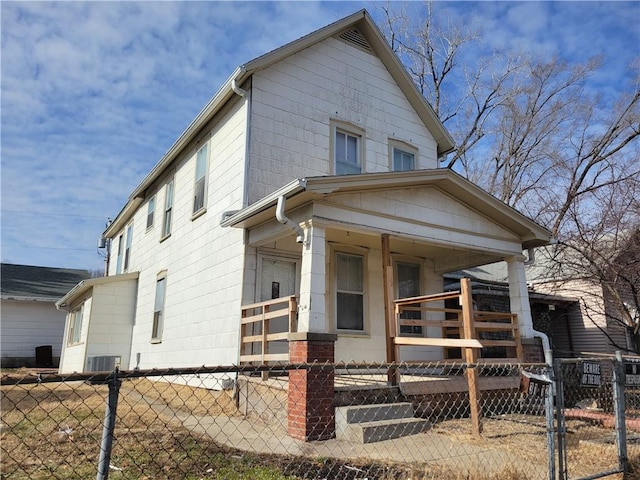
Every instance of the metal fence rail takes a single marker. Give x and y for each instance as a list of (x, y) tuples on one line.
[(234, 422)]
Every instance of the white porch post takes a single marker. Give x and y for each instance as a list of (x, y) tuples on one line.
[(519, 295), (311, 310)]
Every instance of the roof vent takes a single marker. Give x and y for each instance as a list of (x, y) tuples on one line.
[(354, 37)]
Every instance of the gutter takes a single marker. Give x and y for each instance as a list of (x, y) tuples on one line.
[(231, 218)]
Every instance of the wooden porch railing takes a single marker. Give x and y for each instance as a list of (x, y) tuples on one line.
[(262, 325), (456, 333)]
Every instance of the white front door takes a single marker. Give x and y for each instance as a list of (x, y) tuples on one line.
[(277, 278)]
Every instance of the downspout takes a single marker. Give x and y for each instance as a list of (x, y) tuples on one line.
[(531, 253), (546, 345), (283, 219), (247, 147)]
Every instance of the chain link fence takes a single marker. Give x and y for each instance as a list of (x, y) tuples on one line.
[(253, 423), (597, 417)]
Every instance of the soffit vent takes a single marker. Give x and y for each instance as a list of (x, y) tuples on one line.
[(354, 37)]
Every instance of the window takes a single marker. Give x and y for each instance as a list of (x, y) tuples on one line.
[(347, 151), (168, 207), (151, 210), (350, 292), (158, 308), (201, 180), (119, 257), (408, 279), (75, 326), (127, 250), (403, 157)]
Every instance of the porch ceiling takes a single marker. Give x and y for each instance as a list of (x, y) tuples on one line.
[(445, 258)]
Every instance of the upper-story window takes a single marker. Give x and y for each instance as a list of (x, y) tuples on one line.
[(347, 149), (120, 252), (200, 188), (168, 208), (403, 157), (151, 210), (127, 249)]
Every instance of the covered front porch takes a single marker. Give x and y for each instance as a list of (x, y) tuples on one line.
[(349, 248), (350, 269)]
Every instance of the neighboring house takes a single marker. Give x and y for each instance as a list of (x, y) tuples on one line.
[(313, 173), (29, 319), (582, 306), (606, 287)]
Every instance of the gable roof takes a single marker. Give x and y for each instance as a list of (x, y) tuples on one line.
[(364, 28), (308, 189), (26, 282)]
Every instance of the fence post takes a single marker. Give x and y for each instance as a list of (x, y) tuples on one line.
[(618, 405), (562, 429), (549, 413), (108, 426)]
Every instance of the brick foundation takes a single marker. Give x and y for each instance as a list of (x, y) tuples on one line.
[(311, 412)]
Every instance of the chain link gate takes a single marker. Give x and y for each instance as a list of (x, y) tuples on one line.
[(590, 415)]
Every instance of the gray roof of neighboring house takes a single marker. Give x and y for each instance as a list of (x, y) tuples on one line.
[(26, 282)]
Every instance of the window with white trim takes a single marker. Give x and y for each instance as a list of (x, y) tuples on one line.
[(158, 308), (408, 284), (200, 187), (119, 257), (168, 208), (75, 325), (151, 210), (127, 248), (347, 150), (403, 157), (350, 292)]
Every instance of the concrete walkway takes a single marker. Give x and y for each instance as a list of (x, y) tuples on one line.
[(436, 449)]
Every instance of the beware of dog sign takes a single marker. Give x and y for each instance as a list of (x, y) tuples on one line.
[(590, 374)]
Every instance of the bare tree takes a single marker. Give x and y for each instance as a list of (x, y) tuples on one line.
[(534, 134)]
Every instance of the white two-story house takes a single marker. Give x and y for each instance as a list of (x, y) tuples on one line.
[(310, 171)]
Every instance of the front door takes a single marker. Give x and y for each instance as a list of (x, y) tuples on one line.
[(277, 278)]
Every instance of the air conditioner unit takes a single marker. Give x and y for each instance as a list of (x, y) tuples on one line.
[(103, 363)]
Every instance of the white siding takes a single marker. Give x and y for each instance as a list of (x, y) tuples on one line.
[(113, 307), (586, 321), (295, 99), (203, 261), (26, 325)]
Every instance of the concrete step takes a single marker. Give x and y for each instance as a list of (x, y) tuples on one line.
[(371, 413), (374, 423)]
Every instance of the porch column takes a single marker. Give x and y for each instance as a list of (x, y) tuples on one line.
[(519, 295), (310, 409), (311, 307)]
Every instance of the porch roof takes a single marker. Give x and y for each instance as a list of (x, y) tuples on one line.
[(84, 286), (306, 190)]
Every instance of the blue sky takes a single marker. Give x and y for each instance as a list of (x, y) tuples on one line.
[(93, 94)]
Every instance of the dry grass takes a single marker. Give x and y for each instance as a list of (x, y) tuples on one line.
[(591, 448), (185, 398), (54, 431)]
